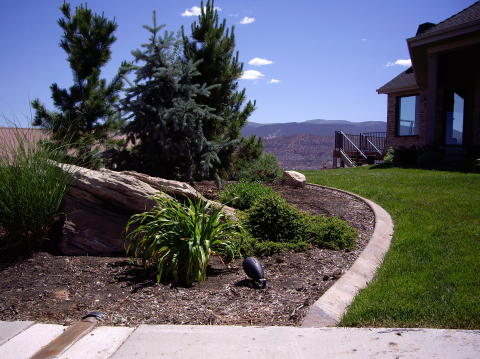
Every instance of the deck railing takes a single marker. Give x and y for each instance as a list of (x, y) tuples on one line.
[(364, 142), (360, 147)]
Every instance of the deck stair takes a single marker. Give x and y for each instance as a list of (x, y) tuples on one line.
[(357, 150)]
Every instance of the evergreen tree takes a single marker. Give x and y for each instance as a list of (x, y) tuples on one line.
[(213, 45), (87, 111), (163, 113)]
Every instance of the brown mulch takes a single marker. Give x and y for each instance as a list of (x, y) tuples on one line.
[(59, 289)]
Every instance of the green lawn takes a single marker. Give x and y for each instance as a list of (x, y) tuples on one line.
[(431, 275)]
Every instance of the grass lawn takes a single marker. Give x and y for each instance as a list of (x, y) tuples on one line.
[(431, 275)]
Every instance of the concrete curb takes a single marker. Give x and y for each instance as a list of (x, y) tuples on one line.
[(329, 309)]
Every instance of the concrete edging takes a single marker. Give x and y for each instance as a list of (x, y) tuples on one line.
[(329, 309)]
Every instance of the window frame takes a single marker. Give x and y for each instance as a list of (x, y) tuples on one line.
[(397, 114)]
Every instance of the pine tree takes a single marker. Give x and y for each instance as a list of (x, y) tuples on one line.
[(87, 112), (163, 114), (213, 45)]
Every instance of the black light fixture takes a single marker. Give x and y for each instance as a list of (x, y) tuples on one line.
[(254, 270)]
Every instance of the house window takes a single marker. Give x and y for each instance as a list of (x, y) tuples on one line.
[(454, 121), (408, 110)]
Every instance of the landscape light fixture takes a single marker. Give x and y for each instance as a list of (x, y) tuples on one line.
[(254, 270)]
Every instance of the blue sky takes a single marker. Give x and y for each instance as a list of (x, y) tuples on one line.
[(327, 57)]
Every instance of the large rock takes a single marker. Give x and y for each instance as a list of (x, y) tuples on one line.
[(99, 204), (294, 178)]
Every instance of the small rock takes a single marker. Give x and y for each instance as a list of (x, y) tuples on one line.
[(326, 277), (337, 273), (294, 178)]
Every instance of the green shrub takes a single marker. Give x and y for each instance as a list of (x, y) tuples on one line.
[(179, 238), (248, 150), (248, 246), (31, 190), (264, 169), (271, 218), (268, 248), (476, 165), (430, 160), (329, 232), (242, 195), (389, 156)]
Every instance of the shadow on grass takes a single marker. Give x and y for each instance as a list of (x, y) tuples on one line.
[(383, 165)]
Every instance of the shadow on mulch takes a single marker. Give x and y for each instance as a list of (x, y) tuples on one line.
[(139, 277), (248, 283)]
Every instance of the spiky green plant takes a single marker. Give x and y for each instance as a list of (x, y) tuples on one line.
[(32, 187), (179, 238)]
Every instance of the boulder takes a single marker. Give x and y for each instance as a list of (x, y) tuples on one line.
[(294, 178), (99, 203)]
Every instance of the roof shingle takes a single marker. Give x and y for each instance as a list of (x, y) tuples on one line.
[(470, 14), (404, 81)]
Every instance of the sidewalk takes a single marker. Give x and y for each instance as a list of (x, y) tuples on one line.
[(20, 340)]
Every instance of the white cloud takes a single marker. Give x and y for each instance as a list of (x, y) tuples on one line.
[(196, 11), (400, 62), (247, 20), (274, 81), (252, 75), (257, 61)]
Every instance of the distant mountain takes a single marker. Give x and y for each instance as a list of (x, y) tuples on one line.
[(301, 152), (313, 127), (309, 144)]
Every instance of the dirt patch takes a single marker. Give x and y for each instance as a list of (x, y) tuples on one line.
[(59, 289)]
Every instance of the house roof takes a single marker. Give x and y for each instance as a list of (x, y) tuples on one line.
[(464, 23), (12, 135), (403, 82), (464, 17)]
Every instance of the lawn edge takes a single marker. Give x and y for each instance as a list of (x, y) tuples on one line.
[(329, 309)]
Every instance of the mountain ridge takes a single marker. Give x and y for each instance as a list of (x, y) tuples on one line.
[(318, 127), (308, 144)]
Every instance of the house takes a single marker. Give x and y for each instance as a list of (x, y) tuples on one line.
[(12, 137), (436, 102)]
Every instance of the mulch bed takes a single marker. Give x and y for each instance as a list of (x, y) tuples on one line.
[(59, 289)]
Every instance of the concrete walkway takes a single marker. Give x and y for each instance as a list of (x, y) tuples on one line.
[(20, 340)]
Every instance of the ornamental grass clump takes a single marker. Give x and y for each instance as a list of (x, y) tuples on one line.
[(178, 239), (32, 187)]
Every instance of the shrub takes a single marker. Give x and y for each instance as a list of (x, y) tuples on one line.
[(476, 165), (248, 246), (264, 169), (248, 150), (430, 160), (329, 232), (31, 190), (242, 195), (389, 156), (268, 248), (179, 238), (279, 226), (271, 218)]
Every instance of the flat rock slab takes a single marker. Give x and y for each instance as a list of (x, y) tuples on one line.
[(29, 341), (10, 329), (290, 342)]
